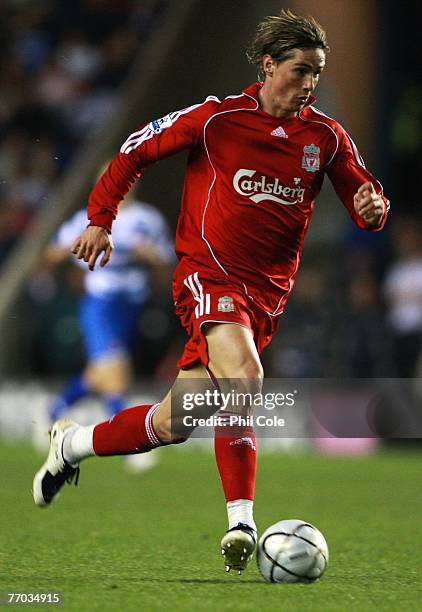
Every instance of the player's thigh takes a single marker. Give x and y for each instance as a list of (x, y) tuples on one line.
[(232, 352), (236, 364)]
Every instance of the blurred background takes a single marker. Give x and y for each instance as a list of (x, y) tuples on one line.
[(77, 78)]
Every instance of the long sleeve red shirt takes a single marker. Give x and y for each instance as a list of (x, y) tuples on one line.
[(249, 190)]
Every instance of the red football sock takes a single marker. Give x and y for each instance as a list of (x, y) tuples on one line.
[(128, 432), (236, 455)]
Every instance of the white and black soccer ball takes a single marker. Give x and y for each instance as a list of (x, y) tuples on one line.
[(292, 551)]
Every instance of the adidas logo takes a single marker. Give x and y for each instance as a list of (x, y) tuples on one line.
[(279, 132)]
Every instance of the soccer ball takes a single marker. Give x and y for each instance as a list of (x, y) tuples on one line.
[(292, 551)]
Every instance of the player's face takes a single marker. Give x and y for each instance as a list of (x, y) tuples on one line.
[(288, 84)]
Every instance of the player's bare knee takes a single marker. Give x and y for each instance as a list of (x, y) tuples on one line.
[(247, 367), (251, 385), (251, 371), (245, 377)]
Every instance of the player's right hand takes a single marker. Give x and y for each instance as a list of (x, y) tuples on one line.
[(91, 243)]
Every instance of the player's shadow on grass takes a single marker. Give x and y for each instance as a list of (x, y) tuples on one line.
[(201, 581), (215, 581)]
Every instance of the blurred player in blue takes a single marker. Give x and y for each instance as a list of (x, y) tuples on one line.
[(113, 302)]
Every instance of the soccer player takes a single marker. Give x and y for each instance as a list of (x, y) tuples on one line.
[(110, 310), (256, 162)]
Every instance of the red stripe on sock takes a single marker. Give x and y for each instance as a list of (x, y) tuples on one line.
[(128, 432)]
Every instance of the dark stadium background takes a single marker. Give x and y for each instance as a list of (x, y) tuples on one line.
[(75, 79), (65, 69)]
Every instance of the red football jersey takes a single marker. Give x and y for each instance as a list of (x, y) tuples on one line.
[(249, 190)]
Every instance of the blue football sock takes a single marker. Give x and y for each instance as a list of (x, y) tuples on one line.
[(114, 403), (75, 390)]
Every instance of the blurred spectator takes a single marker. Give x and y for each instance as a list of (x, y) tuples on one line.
[(300, 348), (403, 294), (60, 67), (334, 324), (10, 226), (361, 343), (406, 129)]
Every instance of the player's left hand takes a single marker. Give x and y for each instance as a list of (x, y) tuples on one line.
[(369, 204)]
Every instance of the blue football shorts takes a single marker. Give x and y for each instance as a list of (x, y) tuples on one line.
[(108, 326)]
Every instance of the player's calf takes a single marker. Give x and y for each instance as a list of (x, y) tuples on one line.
[(169, 430)]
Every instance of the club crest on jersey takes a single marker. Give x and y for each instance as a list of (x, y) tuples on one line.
[(225, 304), (310, 159), (158, 125)]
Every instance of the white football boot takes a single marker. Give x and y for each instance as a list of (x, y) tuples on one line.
[(238, 546), (55, 472)]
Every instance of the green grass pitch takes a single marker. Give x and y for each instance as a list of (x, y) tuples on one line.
[(151, 542)]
